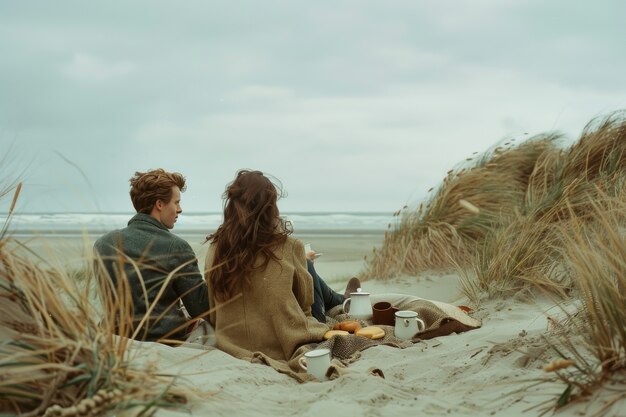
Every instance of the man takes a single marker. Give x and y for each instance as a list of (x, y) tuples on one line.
[(159, 268)]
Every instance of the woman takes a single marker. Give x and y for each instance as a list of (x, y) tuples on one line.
[(259, 288)]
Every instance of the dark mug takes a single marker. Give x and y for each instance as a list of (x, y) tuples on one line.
[(384, 313)]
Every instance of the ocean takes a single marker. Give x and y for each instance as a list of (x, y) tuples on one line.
[(191, 224)]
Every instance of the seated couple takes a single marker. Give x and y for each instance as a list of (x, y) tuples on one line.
[(262, 293), (259, 293)]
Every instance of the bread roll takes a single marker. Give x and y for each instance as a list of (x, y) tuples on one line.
[(332, 333), (371, 332), (350, 326)]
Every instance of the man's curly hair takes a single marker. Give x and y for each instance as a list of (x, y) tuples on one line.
[(148, 187)]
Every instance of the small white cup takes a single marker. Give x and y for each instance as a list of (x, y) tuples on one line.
[(407, 324), (307, 248), (316, 362)]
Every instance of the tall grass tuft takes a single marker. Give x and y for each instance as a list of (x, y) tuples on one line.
[(592, 339), (56, 356), (470, 203), (514, 257), (600, 151), (564, 192), (497, 220)]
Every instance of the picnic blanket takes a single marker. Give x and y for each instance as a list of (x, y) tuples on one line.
[(441, 319)]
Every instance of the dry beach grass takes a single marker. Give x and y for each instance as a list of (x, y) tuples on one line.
[(540, 219), (57, 357)]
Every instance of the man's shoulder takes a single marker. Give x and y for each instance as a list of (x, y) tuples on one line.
[(147, 233), (179, 242), (109, 239)]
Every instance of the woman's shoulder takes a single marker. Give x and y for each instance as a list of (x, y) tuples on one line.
[(294, 243), (289, 248)]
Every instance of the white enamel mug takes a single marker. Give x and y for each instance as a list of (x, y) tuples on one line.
[(407, 324), (316, 362)]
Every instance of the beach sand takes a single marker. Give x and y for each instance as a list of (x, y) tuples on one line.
[(483, 372), (477, 373)]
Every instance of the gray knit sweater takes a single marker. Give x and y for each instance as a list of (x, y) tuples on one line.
[(156, 253)]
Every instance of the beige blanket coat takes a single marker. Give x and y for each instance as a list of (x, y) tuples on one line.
[(273, 314)]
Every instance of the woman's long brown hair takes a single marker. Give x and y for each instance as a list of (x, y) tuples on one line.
[(251, 229)]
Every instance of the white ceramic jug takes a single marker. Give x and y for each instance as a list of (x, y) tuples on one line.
[(407, 324), (360, 305)]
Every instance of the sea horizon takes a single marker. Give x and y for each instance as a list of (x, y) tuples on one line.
[(68, 224)]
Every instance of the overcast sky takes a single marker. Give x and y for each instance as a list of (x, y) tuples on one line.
[(354, 106)]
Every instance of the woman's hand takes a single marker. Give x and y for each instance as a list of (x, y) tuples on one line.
[(310, 254)]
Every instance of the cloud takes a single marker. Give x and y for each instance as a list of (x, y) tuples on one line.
[(92, 68), (376, 150), (468, 103)]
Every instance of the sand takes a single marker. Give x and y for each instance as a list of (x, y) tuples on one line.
[(483, 372), (471, 374)]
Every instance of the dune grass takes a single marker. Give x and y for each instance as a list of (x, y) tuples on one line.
[(498, 217), (536, 217), (596, 256), (470, 203), (56, 356), (568, 191), (591, 339), (513, 258)]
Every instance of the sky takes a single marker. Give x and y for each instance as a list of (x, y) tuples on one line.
[(351, 105)]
